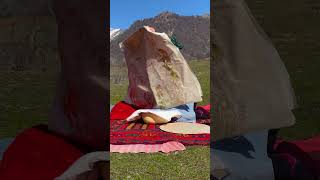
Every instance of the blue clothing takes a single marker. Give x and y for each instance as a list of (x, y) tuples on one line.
[(187, 111), (4, 143)]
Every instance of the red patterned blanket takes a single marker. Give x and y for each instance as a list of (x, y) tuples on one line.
[(123, 132)]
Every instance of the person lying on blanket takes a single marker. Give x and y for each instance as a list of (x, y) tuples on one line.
[(161, 84), (182, 113)]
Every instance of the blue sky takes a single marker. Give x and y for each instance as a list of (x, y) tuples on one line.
[(124, 12)]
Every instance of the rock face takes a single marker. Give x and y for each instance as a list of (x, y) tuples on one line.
[(81, 104), (192, 31)]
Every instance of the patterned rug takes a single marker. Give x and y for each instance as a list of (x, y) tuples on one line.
[(123, 132)]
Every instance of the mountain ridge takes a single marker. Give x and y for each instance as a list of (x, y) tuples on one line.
[(114, 32), (192, 31)]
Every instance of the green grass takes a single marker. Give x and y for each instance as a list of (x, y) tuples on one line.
[(25, 100), (193, 163), (304, 73), (202, 70)]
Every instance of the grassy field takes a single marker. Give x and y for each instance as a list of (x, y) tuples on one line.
[(304, 73), (193, 163), (25, 99)]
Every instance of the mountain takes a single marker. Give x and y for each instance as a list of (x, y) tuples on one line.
[(193, 32), (114, 33)]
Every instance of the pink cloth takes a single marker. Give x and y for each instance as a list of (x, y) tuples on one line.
[(148, 148)]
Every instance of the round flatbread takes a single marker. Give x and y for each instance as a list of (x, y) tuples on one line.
[(186, 128)]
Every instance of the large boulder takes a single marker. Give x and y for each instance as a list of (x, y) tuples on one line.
[(81, 105)]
